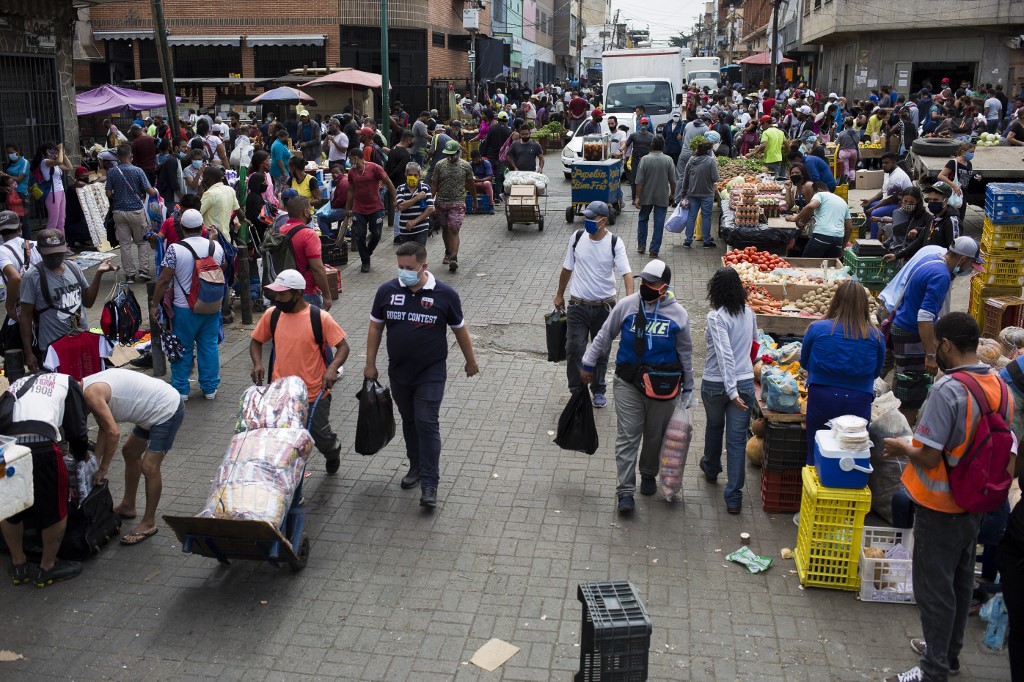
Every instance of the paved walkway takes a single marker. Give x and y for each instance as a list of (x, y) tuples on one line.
[(393, 594)]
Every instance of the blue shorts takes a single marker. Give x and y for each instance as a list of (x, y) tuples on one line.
[(160, 437)]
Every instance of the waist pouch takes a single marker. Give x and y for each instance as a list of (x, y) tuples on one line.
[(657, 382)]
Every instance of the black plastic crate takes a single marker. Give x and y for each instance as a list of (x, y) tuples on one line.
[(333, 254), (616, 633), (785, 447)]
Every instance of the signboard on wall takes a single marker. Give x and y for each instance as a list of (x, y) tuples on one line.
[(39, 33)]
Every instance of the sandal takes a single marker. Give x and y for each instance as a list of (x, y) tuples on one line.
[(136, 538)]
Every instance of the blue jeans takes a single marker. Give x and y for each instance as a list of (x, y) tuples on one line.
[(724, 417), (880, 212), (420, 408), (659, 226), (705, 205), (197, 332), (336, 216)]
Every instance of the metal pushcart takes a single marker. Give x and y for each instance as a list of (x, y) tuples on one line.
[(525, 204), (596, 181), (250, 539)]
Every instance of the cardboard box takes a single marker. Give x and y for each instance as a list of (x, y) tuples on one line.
[(869, 179), (333, 280), (523, 190)]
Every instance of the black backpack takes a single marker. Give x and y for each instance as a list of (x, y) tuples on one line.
[(318, 335), (278, 252)]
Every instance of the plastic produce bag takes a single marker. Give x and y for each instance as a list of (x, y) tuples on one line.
[(375, 426), (886, 422), (677, 221), (753, 562), (282, 404), (675, 446), (80, 476), (576, 427), (1012, 337), (556, 327), (994, 611), (780, 390)]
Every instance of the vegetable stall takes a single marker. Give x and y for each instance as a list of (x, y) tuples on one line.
[(749, 197)]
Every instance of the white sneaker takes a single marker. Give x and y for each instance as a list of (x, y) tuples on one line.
[(184, 398), (912, 675), (211, 396)]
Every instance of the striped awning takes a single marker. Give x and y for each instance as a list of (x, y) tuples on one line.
[(284, 40), (209, 40), (123, 35)]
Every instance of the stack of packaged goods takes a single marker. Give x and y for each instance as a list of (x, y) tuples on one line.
[(1002, 247), (265, 461)]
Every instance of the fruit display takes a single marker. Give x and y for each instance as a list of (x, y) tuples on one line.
[(760, 301), (871, 145), (817, 301), (747, 215), (989, 140), (765, 262), (751, 273)]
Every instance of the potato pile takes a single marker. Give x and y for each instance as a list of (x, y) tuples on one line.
[(817, 301)]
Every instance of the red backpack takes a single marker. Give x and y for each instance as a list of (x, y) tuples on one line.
[(980, 482), (207, 288)]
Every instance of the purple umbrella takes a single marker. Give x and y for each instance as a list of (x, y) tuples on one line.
[(284, 95), (107, 99)]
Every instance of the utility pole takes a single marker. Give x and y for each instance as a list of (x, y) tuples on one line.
[(385, 76), (774, 47), (579, 41), (163, 57)]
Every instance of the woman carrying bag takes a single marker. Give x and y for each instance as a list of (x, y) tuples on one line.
[(653, 368)]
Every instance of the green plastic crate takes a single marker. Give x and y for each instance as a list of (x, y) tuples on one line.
[(869, 269)]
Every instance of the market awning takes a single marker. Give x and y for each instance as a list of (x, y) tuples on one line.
[(122, 35), (108, 99), (764, 59), (283, 40), (206, 41)]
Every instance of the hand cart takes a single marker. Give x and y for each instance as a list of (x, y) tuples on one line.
[(525, 204), (596, 181), (250, 539)]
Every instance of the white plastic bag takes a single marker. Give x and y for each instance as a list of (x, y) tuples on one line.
[(677, 221), (675, 446), (886, 422)]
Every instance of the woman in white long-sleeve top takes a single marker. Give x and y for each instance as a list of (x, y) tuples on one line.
[(727, 387)]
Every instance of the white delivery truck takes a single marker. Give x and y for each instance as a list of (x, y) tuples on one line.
[(702, 71), (651, 76)]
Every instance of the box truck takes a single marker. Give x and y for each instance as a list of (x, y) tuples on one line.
[(702, 71)]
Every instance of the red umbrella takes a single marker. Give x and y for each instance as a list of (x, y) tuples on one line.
[(352, 78)]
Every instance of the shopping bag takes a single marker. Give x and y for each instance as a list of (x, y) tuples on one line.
[(675, 446), (576, 427), (375, 425), (91, 525), (556, 327), (677, 221)]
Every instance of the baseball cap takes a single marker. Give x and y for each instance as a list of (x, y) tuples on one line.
[(945, 80), (645, 120), (81, 170), (833, 95), (597, 113), (965, 246), (9, 220), (939, 95), (451, 147), (503, 115), (675, 115), (302, 112), (656, 270), (595, 209), (766, 119), (288, 280), (712, 137), (51, 241), (942, 188), (805, 110), (192, 219), (365, 132), (286, 196)]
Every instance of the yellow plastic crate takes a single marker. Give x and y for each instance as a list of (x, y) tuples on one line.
[(980, 292), (831, 529), (1001, 269), (843, 191), (996, 238)]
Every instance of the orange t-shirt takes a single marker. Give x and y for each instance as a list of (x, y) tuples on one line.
[(297, 352)]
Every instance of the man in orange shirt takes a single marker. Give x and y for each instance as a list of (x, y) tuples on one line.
[(305, 335)]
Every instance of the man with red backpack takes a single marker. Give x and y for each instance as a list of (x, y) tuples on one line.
[(191, 268), (960, 463)]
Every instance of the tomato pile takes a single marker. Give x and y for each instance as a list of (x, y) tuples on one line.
[(764, 261)]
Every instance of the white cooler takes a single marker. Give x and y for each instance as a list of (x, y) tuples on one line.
[(16, 490)]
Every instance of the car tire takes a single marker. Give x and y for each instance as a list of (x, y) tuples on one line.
[(934, 146), (567, 176)]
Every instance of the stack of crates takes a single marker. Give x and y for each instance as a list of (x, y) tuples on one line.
[(828, 541), (1002, 247), (785, 454), (615, 635), (873, 272)]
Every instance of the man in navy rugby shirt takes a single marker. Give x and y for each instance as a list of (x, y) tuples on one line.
[(416, 309)]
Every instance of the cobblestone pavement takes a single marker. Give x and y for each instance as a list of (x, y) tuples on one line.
[(391, 593)]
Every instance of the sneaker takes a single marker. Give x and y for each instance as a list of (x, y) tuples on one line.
[(428, 498), (641, 249), (62, 570), (411, 479), (707, 477), (600, 401), (626, 504), (648, 485), (920, 647), (912, 675), (365, 267), (144, 276), (129, 279), (687, 244), (19, 574), (184, 398), (447, 257), (453, 264), (333, 464), (210, 396), (653, 254), (710, 245), (144, 361), (398, 240)]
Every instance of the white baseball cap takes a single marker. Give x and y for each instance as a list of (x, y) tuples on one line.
[(288, 280), (191, 219), (656, 270), (833, 95)]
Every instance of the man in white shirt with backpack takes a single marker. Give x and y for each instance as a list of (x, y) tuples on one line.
[(592, 260), (190, 270)]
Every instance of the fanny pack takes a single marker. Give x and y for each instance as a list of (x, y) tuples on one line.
[(657, 382)]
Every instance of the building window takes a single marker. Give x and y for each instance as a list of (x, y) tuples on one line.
[(458, 42), (273, 61), (543, 22), (817, 4), (437, 39), (29, 101), (551, 26), (206, 61), (536, 19), (500, 11)]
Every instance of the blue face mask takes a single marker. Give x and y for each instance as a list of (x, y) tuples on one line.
[(590, 226), (197, 164), (408, 277), (13, 156), (969, 155)]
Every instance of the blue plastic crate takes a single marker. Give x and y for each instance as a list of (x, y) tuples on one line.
[(1004, 202), (483, 201)]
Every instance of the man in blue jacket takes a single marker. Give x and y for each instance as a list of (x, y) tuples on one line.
[(818, 170), (674, 136)]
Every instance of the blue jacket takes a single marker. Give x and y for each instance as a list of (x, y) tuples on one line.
[(924, 295), (833, 359), (820, 170), (672, 145)]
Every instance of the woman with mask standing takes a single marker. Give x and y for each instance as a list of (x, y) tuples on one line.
[(17, 167), (653, 366), (260, 193), (193, 173), (957, 174), (49, 164), (727, 387)]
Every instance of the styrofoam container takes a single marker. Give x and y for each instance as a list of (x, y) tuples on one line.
[(830, 459), (16, 490)]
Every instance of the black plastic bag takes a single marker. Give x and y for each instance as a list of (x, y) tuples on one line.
[(375, 426), (576, 427), (556, 327), (90, 525)]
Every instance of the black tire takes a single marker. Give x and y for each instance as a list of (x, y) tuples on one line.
[(510, 226), (611, 217), (570, 214), (567, 176), (540, 225), (934, 146), (303, 555), (618, 206)]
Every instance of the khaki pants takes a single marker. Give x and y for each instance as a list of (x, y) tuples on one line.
[(129, 227)]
